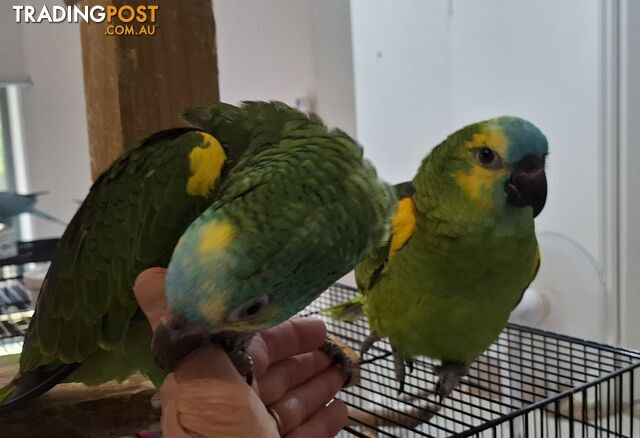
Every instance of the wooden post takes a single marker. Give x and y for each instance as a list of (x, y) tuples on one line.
[(138, 84)]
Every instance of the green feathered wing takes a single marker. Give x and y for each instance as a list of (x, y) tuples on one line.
[(302, 207), (86, 313), (368, 271)]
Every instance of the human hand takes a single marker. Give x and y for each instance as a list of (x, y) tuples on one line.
[(205, 396)]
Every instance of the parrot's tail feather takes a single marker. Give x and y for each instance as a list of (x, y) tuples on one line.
[(349, 311), (47, 216), (32, 384)]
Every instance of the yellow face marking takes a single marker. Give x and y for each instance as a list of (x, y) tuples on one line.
[(494, 138), (214, 308), (206, 161), (478, 182), (403, 224), (215, 236)]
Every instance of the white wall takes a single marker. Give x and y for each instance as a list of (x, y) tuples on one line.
[(434, 69), (538, 60), (12, 69), (286, 50), (56, 145), (424, 69), (264, 50), (333, 63), (401, 73), (629, 175)]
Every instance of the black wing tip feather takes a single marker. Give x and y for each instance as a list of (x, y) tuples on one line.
[(168, 134), (35, 383), (404, 189)]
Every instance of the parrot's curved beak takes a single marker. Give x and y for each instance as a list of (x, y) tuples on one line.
[(527, 186)]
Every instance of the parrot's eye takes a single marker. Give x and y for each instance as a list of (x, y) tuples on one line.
[(486, 157), (250, 309)]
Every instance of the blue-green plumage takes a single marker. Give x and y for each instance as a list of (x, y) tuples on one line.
[(290, 220)]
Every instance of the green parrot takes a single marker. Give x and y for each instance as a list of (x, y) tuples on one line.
[(255, 209), (462, 249)]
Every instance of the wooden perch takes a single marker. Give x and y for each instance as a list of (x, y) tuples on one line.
[(74, 410)]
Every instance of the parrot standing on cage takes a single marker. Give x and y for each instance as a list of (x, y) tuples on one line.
[(255, 210), (461, 252)]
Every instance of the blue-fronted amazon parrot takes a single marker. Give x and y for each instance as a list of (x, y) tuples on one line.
[(267, 208), (462, 249)]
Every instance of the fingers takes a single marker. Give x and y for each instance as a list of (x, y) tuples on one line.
[(149, 292), (296, 336), (213, 407), (290, 373), (302, 402), (170, 422), (325, 423)]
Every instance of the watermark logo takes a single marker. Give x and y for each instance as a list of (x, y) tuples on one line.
[(120, 20)]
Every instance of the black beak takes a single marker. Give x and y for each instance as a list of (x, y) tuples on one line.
[(527, 186)]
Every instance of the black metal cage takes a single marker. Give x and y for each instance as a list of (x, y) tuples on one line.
[(530, 383)]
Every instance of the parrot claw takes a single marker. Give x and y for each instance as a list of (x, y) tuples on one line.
[(343, 356), (399, 363), (449, 375), (234, 344), (409, 364), (243, 363), (174, 339), (368, 343)]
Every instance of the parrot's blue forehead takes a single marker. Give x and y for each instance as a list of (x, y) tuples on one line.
[(523, 138)]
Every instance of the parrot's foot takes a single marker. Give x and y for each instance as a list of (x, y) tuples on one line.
[(449, 374), (401, 364), (234, 344), (174, 339), (344, 357), (368, 343)]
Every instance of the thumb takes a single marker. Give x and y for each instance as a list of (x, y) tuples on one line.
[(149, 292)]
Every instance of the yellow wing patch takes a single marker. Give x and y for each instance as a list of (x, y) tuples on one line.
[(478, 182), (206, 163), (216, 236), (403, 224)]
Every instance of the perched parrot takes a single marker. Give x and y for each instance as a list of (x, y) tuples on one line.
[(255, 210), (12, 204), (462, 249)]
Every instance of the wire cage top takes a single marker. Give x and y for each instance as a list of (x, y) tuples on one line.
[(530, 383)]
